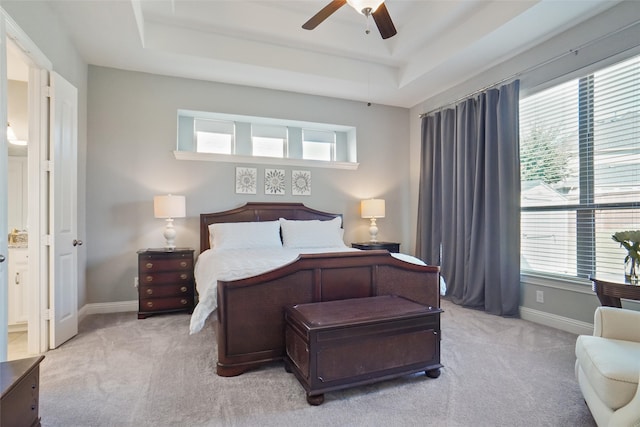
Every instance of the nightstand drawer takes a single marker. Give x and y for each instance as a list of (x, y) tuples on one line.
[(159, 304), (166, 278), (154, 264), (166, 291)]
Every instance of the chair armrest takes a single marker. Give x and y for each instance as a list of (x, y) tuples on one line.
[(617, 323), (628, 415)]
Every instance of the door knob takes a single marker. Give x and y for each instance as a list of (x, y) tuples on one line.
[(77, 242), (1, 258)]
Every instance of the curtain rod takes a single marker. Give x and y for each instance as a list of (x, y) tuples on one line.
[(535, 67)]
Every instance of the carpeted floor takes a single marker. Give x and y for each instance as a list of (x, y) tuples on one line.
[(121, 371)]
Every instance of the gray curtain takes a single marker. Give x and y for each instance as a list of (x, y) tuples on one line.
[(469, 201)]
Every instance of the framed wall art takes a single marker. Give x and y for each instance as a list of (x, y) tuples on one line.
[(274, 181), (246, 180), (301, 183)]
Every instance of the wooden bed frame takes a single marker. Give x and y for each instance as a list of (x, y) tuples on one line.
[(250, 327)]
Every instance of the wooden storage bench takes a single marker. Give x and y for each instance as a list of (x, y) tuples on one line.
[(338, 344)]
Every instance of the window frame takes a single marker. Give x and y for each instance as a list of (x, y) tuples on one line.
[(344, 151)]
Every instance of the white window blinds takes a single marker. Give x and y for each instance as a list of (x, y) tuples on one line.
[(318, 144), (580, 172), (214, 136), (269, 140)]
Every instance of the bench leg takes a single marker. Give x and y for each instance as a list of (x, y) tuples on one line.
[(315, 400), (433, 373)]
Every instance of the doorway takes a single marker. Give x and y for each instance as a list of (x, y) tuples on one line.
[(17, 202), (51, 224)]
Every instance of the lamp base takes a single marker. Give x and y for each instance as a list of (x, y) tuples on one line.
[(373, 231), (170, 235)]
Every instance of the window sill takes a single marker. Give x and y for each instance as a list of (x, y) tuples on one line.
[(229, 158), (575, 284)]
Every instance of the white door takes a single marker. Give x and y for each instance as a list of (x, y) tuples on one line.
[(3, 196), (64, 211)]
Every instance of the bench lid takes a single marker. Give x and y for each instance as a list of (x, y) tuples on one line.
[(358, 310)]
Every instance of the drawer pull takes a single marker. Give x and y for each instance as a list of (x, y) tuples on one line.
[(33, 407), (183, 289), (33, 386), (184, 301), (184, 276), (149, 304), (149, 291), (149, 265), (183, 263), (149, 278)]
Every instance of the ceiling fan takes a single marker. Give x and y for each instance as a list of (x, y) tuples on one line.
[(375, 8)]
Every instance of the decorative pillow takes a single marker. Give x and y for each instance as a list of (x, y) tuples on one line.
[(242, 235), (312, 234)]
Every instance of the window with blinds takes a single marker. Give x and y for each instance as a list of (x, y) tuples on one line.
[(269, 140), (214, 136), (580, 172), (318, 144)]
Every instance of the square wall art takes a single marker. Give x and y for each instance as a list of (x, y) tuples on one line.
[(246, 180), (301, 183), (274, 181)]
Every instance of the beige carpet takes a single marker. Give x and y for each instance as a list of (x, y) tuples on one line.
[(120, 371)]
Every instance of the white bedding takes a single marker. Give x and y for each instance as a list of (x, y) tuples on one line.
[(231, 264)]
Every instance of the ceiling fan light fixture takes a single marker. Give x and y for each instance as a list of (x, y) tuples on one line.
[(365, 7)]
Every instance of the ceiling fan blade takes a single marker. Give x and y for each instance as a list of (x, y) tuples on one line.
[(383, 22), (323, 14)]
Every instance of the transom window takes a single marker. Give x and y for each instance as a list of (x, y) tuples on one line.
[(269, 140), (318, 144), (246, 139)]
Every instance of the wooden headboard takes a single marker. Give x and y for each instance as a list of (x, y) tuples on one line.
[(254, 211)]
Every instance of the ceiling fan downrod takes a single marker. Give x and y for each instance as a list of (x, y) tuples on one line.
[(367, 14)]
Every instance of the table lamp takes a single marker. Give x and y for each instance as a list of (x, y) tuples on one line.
[(169, 207), (372, 209)]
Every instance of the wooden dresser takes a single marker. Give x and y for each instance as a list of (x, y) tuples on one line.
[(337, 344), (165, 281), (20, 383)]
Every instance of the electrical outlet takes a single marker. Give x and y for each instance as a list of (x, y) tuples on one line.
[(135, 282), (540, 297)]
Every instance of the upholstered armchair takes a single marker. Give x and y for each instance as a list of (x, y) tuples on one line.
[(608, 367)]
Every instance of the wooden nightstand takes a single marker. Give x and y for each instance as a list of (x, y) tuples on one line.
[(370, 246), (165, 281), (20, 385)]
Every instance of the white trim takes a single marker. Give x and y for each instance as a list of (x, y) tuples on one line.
[(554, 321), (107, 307), (573, 284), (281, 161), (18, 327)]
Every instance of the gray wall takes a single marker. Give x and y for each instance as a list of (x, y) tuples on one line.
[(572, 300), (132, 134)]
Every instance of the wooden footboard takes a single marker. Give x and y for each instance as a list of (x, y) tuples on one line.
[(250, 329)]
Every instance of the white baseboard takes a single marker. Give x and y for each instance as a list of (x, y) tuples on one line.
[(18, 327), (107, 307), (554, 321)]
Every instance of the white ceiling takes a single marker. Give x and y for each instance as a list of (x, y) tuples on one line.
[(440, 43)]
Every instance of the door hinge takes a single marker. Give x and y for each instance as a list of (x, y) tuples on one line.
[(47, 314), (47, 91), (47, 240), (47, 166)]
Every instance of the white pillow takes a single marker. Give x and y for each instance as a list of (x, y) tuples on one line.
[(312, 234), (242, 235)]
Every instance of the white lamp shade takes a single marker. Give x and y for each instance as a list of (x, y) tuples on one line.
[(169, 206), (372, 208)]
